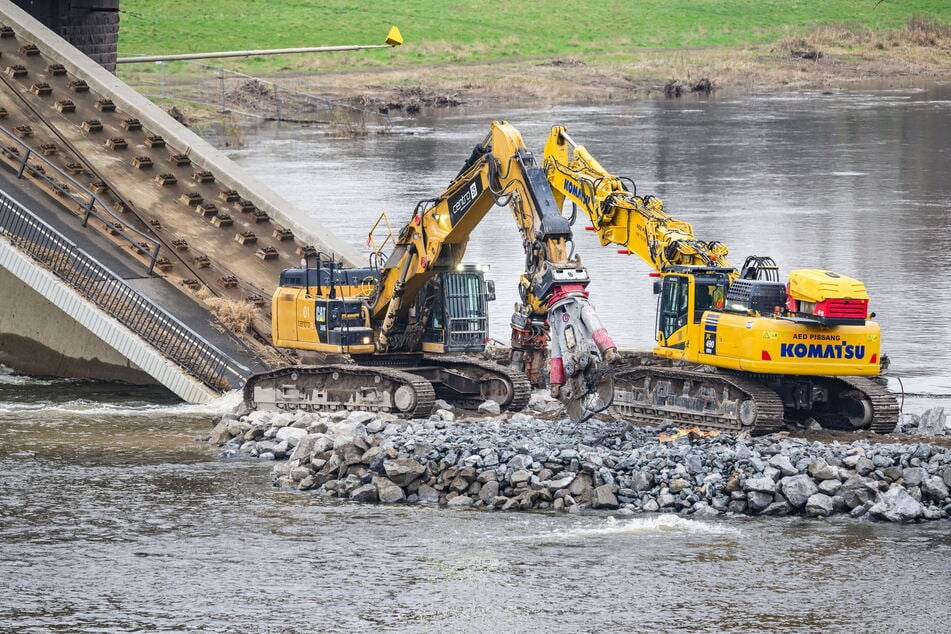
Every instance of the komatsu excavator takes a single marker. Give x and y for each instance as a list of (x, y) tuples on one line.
[(744, 350), (397, 319)]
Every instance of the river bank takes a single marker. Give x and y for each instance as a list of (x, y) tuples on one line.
[(829, 57), (521, 461)]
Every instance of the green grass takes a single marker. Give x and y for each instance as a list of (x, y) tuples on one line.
[(438, 31)]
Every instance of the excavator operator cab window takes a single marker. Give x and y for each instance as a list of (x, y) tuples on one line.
[(709, 294), (672, 313)]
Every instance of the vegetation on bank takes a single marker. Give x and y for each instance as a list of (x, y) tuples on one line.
[(443, 31), (469, 52)]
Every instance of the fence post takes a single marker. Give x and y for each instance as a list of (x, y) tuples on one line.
[(221, 89)]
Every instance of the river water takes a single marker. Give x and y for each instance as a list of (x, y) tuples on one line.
[(112, 518)]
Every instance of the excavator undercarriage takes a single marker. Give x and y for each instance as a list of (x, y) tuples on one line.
[(405, 385), (758, 404)]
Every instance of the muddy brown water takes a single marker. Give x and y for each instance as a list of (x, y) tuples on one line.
[(112, 519)]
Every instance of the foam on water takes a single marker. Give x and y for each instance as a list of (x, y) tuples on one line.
[(612, 527), (87, 408), (10, 377)]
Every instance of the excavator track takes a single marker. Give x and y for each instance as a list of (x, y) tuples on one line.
[(885, 408), (714, 400), (328, 388), (862, 404), (506, 386)]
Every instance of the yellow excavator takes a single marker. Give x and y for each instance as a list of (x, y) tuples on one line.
[(399, 320), (736, 349)]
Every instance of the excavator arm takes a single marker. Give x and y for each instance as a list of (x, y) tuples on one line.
[(554, 309), (618, 215)]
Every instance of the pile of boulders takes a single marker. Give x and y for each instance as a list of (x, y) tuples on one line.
[(521, 462)]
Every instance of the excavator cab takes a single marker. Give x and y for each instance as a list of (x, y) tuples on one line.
[(684, 298), (459, 314)]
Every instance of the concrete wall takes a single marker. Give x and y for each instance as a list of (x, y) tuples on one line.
[(92, 26), (38, 338)]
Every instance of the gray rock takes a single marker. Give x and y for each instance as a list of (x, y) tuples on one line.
[(642, 481), (520, 477), (704, 511), (563, 480), (489, 491), (389, 492), (490, 408), (678, 484), (829, 487), (446, 415), (359, 418), (427, 494), (461, 500), (758, 500), (881, 460), (933, 513), (292, 435), (764, 485), (821, 470), (778, 508), (221, 433), (604, 498), (651, 506), (303, 448), (402, 471), (365, 493), (299, 473), (798, 489), (819, 505), (693, 463), (935, 488), (897, 505), (857, 492), (375, 426), (783, 463), (281, 449), (914, 476), (520, 461), (864, 466), (932, 423)]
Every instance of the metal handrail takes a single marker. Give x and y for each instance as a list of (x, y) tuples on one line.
[(88, 207), (102, 287)]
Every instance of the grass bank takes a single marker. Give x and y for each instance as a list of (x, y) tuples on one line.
[(550, 51)]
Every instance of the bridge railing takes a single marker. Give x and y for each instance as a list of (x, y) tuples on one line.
[(100, 286)]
